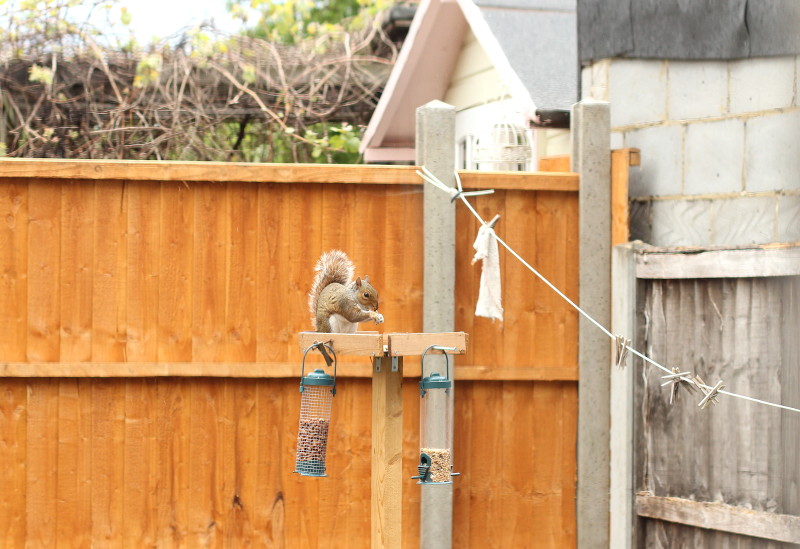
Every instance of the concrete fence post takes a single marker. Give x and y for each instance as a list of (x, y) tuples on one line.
[(436, 151), (591, 159)]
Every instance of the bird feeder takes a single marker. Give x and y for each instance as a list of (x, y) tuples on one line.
[(435, 416), (317, 390)]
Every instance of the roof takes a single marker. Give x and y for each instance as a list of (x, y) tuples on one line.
[(531, 43), (676, 29), (539, 38)]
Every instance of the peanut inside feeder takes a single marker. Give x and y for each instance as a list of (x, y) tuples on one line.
[(317, 390)]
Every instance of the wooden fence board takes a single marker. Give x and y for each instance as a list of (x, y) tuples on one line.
[(77, 268), (143, 272), (13, 461), (108, 299), (272, 333), (14, 258), (42, 462), (175, 276), (44, 268), (151, 392), (209, 272), (242, 288)]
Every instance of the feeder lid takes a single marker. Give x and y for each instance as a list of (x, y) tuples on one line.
[(318, 377), (435, 381)]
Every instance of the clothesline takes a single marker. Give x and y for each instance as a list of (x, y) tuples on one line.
[(709, 391)]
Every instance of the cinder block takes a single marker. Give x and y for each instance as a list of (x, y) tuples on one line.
[(697, 89), (743, 221), (617, 140), (789, 218), (713, 154), (762, 83), (772, 155), (637, 90), (681, 223), (659, 173)]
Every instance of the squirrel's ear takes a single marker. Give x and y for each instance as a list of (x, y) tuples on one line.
[(366, 278), (358, 282)]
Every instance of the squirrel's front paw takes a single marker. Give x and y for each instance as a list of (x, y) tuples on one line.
[(378, 318)]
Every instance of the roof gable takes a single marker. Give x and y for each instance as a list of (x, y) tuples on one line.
[(530, 43)]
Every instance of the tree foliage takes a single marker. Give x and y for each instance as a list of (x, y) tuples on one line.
[(290, 21), (268, 94)]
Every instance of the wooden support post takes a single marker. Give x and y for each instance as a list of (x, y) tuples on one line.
[(387, 450), (621, 161)]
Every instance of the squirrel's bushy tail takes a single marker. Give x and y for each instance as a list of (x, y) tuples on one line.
[(332, 266)]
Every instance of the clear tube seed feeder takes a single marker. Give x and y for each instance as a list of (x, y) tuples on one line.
[(317, 390), (436, 420)]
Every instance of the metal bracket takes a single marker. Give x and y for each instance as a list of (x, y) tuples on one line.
[(377, 360), (395, 366)]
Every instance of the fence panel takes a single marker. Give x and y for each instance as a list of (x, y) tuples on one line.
[(731, 469), (148, 350)]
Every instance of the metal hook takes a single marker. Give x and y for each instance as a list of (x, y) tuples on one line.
[(446, 360), (321, 347)]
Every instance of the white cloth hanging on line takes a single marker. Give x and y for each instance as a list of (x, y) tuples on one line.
[(489, 296)]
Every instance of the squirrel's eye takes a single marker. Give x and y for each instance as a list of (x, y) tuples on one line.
[(366, 294)]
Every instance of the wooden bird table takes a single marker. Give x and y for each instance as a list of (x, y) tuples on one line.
[(387, 352)]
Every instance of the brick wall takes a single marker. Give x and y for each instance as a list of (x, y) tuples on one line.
[(720, 144)]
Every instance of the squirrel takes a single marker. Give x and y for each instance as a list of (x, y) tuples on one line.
[(337, 302)]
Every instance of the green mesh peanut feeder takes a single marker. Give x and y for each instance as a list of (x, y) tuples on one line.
[(436, 420), (317, 390)]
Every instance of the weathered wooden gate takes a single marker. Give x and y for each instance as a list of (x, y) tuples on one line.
[(728, 475), (149, 369)]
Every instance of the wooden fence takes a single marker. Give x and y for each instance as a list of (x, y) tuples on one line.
[(148, 346), (727, 475)]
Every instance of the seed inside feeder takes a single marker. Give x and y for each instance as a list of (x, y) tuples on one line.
[(440, 464)]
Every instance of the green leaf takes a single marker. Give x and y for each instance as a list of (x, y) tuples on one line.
[(37, 73)]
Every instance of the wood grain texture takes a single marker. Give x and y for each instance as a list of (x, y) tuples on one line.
[(734, 263), (14, 461), (14, 204), (175, 277), (77, 270), (143, 271), (621, 160), (539, 328), (387, 444), (735, 451), (44, 269), (722, 517), (149, 360)]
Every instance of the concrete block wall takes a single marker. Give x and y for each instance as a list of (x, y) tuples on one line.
[(720, 147)]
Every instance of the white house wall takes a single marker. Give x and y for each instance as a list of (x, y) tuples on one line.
[(720, 147), (481, 99), (475, 81)]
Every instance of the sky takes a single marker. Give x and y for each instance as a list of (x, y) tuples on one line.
[(162, 18)]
